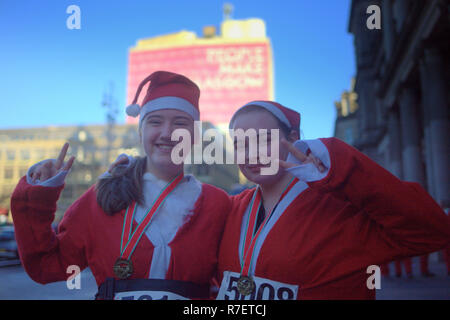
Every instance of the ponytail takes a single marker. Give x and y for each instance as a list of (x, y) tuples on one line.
[(123, 186)]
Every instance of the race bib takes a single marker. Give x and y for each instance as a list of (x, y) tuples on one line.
[(148, 295), (265, 289)]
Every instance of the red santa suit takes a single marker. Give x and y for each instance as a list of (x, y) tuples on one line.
[(328, 229), (180, 244)]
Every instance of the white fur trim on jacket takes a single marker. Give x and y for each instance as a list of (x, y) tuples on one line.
[(173, 213), (308, 172)]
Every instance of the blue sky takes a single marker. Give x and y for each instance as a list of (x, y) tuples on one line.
[(55, 76)]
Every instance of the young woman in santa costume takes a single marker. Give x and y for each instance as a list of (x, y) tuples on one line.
[(312, 230), (149, 232)]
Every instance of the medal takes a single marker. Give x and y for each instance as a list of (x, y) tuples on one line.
[(245, 285), (123, 267)]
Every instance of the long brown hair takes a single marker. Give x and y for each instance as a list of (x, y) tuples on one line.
[(118, 190)]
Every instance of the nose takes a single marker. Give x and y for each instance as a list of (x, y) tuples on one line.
[(247, 151), (165, 131)]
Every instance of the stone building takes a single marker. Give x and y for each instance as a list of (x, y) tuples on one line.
[(347, 125), (402, 85), (21, 148)]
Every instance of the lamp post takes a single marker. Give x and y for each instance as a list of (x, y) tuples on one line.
[(110, 104)]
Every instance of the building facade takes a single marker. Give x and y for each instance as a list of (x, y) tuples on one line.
[(346, 125), (402, 85), (231, 67), (21, 148)]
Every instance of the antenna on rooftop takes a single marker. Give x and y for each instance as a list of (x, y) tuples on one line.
[(110, 104), (227, 11)]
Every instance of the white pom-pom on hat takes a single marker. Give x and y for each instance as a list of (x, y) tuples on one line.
[(133, 110)]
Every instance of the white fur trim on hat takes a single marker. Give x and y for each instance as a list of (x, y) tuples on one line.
[(269, 107), (170, 103)]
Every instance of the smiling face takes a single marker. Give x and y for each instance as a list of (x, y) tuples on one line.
[(258, 118), (156, 131)]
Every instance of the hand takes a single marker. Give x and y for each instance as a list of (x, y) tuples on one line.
[(310, 158), (50, 168), (122, 159)]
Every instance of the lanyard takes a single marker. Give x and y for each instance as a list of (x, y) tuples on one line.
[(129, 240), (250, 235)]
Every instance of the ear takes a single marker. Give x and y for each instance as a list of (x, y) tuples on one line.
[(293, 136), (140, 134)]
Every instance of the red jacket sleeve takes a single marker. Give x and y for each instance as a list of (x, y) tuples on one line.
[(46, 255), (401, 219)]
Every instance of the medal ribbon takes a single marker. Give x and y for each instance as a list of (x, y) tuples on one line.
[(131, 239), (251, 237)]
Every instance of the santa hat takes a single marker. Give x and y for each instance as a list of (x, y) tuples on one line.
[(287, 116), (167, 90)]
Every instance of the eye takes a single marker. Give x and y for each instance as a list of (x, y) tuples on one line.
[(181, 122), (153, 121)]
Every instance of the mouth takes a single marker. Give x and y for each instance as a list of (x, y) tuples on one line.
[(255, 168), (164, 147)]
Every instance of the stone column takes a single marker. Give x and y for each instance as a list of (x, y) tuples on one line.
[(427, 138), (367, 114), (434, 88), (411, 152), (400, 11), (388, 27), (428, 152), (395, 144), (362, 113)]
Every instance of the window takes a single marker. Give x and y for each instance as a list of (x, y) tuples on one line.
[(25, 154), (23, 171), (349, 136), (68, 192), (10, 154), (9, 173), (40, 154), (203, 170)]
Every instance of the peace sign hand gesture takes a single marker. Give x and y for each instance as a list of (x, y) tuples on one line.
[(50, 168), (310, 158)]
